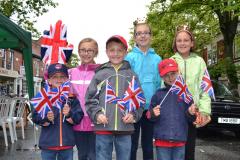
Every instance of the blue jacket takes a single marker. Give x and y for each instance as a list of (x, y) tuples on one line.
[(51, 135), (172, 123), (146, 67)]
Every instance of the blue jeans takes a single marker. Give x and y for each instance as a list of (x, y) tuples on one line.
[(59, 155), (146, 138), (104, 146), (170, 153), (85, 141)]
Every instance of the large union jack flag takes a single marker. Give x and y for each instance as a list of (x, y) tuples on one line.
[(41, 102), (181, 89), (54, 45), (206, 85), (133, 97), (110, 94)]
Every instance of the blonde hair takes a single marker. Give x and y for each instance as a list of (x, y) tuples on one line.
[(186, 29), (89, 40)]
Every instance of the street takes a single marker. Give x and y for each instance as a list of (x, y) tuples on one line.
[(210, 146), (217, 146)]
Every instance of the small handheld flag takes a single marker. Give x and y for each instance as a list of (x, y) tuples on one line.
[(206, 85), (41, 101), (133, 97), (181, 89), (110, 94)]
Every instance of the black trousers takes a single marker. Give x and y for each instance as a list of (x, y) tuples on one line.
[(191, 142), (85, 142), (146, 138)]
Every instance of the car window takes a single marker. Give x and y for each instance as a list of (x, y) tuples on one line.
[(221, 90)]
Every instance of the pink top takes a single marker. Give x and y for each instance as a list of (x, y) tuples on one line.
[(80, 78)]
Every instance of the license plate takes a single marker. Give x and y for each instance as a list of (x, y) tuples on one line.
[(229, 120)]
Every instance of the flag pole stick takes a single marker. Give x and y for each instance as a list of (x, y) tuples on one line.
[(165, 96), (105, 105), (64, 115), (167, 93)]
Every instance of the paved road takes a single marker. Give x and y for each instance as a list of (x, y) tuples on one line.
[(210, 146)]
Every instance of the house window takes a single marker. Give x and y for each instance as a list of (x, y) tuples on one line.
[(9, 61), (236, 54), (212, 55), (3, 58), (220, 49), (37, 68)]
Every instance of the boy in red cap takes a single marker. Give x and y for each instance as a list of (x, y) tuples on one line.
[(172, 117), (112, 125)]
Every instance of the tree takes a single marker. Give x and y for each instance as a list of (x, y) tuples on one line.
[(198, 12), (74, 61), (26, 12)]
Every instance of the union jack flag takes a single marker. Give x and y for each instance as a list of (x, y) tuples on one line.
[(206, 85), (121, 105), (41, 102), (133, 97), (181, 89), (110, 94), (64, 91), (54, 45), (60, 95)]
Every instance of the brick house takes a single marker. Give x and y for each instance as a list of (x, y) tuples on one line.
[(12, 71)]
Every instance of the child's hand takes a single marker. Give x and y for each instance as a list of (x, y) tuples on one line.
[(66, 109), (156, 110), (50, 116), (204, 120), (128, 118), (192, 109), (102, 119)]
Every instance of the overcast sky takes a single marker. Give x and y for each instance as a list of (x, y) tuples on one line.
[(98, 19)]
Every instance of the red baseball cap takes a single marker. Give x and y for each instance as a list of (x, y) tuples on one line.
[(118, 38), (167, 65)]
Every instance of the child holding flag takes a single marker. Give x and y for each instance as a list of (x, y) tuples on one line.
[(192, 67), (171, 108), (113, 103), (55, 109), (57, 135)]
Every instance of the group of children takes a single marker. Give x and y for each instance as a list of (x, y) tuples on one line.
[(94, 125)]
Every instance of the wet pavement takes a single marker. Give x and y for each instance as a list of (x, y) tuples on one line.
[(210, 146), (25, 149), (20, 149)]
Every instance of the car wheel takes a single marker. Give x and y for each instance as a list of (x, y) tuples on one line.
[(237, 133)]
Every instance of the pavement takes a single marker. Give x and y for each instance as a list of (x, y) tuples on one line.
[(207, 148), (25, 149)]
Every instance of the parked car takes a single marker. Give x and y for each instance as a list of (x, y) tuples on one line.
[(225, 109)]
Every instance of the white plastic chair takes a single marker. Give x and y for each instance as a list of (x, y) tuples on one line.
[(5, 117), (18, 108)]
